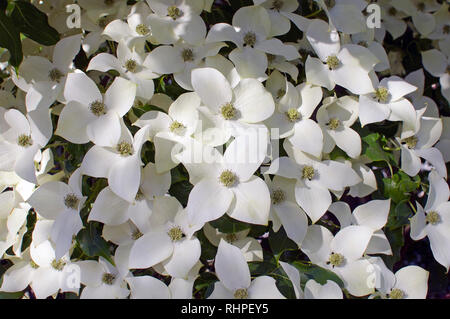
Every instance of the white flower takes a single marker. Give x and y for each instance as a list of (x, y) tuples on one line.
[(120, 163), (335, 117), (235, 281), (130, 65), (313, 289), (347, 66), (251, 32), (437, 64), (225, 183), (420, 101), (98, 116), (62, 203), (335, 253), (292, 117), (387, 102), (433, 220)]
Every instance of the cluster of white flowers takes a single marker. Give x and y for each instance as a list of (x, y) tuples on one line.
[(267, 132)]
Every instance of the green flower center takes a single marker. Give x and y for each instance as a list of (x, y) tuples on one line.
[(396, 294), (108, 278), (187, 55), (333, 62), (175, 233), (334, 124), (241, 294), (24, 140), (411, 142), (336, 259), (382, 94), (228, 111), (33, 265), (97, 108), (281, 93), (392, 11), (433, 218), (250, 38), (139, 196), (174, 12), (230, 237), (446, 29), (176, 126), (293, 115), (136, 234), (125, 149), (227, 178), (277, 4), (131, 65), (58, 264), (102, 22), (278, 196), (71, 201), (308, 172), (55, 75), (142, 29)]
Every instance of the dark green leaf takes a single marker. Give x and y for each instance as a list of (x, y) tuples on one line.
[(397, 241), (226, 224), (92, 243), (319, 274), (34, 23), (280, 242), (399, 216), (181, 191), (10, 39)]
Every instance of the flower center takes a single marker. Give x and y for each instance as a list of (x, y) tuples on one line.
[(396, 294), (71, 201), (97, 108), (24, 140), (392, 11), (33, 265), (336, 259), (446, 29), (382, 94), (433, 218), (411, 142), (334, 124), (142, 29), (176, 126), (241, 294), (125, 149), (293, 115), (136, 234), (250, 38), (55, 75), (174, 12), (277, 4), (333, 62), (281, 93), (421, 6), (108, 278), (131, 65), (187, 55), (278, 196), (58, 264), (175, 233), (139, 196), (102, 22), (230, 237), (228, 111), (227, 178), (308, 172)]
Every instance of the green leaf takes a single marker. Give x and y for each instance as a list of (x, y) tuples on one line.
[(11, 295), (226, 224), (10, 39), (399, 216), (92, 243), (181, 191), (319, 274), (371, 147), (397, 241), (34, 23), (399, 187), (280, 242)]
